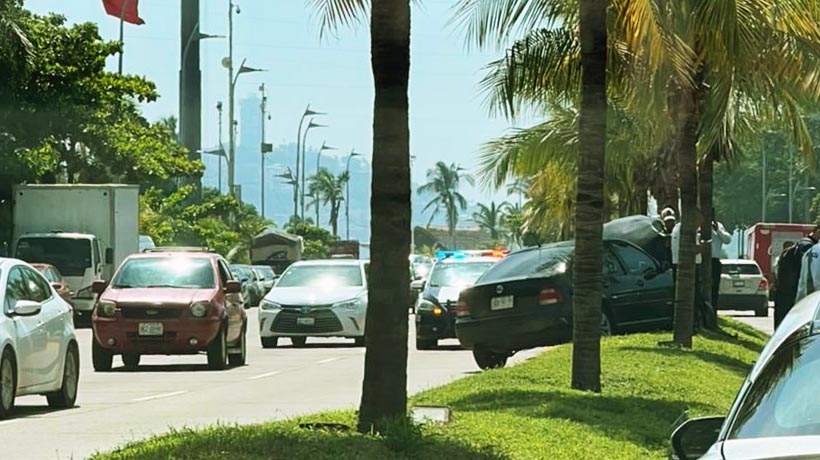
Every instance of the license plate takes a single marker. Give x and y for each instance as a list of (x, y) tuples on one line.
[(305, 321), (151, 329), (501, 303), (738, 283)]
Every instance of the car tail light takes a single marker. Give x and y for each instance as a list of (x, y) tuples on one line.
[(549, 296), (764, 284), (462, 309)]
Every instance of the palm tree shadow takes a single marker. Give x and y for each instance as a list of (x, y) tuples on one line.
[(734, 365)]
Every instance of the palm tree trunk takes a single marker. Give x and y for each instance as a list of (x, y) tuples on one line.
[(706, 180), (589, 208), (384, 389)]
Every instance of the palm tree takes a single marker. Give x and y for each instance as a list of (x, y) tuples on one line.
[(384, 389), (519, 186), (444, 181), (490, 218), (326, 188)]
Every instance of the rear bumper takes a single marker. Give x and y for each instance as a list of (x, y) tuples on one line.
[(743, 301), (174, 341), (506, 334), (431, 327)]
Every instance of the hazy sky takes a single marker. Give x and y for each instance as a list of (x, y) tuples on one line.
[(448, 118)]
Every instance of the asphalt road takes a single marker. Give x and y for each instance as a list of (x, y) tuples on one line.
[(179, 391), (765, 324)]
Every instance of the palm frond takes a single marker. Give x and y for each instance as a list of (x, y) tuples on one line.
[(335, 13)]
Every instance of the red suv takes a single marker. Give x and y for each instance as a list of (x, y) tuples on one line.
[(169, 301)]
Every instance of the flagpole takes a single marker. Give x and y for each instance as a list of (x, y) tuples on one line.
[(122, 30)]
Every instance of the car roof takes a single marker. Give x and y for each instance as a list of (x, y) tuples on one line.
[(156, 254), (738, 261), (74, 235), (7, 262), (325, 262)]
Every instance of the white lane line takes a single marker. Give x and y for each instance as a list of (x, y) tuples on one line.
[(328, 360), (159, 396), (262, 376)]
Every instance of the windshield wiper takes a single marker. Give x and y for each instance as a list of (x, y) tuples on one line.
[(122, 286)]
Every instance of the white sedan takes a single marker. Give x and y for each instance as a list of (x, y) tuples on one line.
[(318, 298), (38, 348)]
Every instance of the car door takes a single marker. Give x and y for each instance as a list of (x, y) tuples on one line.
[(233, 303), (27, 335), (50, 326), (614, 298), (646, 294)]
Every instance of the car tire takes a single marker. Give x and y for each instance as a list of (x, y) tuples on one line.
[(8, 383), (428, 344), (607, 327), (762, 312), (238, 359), (218, 352), (270, 342), (358, 341), (488, 359), (66, 396), (131, 360), (101, 358), (298, 341)]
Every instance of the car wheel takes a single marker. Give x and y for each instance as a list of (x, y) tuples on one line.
[(270, 342), (298, 342), (238, 359), (358, 341), (218, 352), (762, 312), (8, 383), (489, 360), (606, 325), (422, 344), (101, 357), (131, 360), (66, 396)]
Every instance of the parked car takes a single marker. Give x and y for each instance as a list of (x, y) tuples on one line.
[(448, 277), (38, 348), (266, 277), (318, 298), (525, 300), (776, 414), (169, 302), (420, 265), (55, 278), (146, 243), (743, 287), (251, 289)]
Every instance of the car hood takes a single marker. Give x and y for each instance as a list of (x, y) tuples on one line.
[(312, 295), (158, 296), (444, 294), (781, 448)]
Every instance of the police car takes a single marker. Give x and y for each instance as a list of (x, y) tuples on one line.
[(452, 272)]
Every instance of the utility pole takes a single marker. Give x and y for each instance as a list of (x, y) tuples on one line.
[(263, 147), (765, 197), (190, 86), (791, 186), (221, 148), (228, 63), (352, 154)]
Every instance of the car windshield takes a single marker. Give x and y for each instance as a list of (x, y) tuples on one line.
[(48, 274), (457, 274), (322, 276), (783, 400), (172, 272), (740, 269), (540, 262), (265, 272), (72, 256)]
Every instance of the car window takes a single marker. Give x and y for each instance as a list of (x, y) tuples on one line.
[(739, 269), (611, 264), (634, 260), (172, 272), (457, 274), (53, 276), (71, 256), (539, 262), (15, 288), (783, 400), (38, 289), (224, 273), (322, 276)]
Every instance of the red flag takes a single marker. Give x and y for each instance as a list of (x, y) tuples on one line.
[(126, 9)]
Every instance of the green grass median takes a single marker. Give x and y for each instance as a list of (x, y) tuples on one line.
[(525, 412)]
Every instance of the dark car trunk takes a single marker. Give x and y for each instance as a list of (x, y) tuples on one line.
[(530, 294)]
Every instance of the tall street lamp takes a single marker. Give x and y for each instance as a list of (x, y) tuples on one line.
[(352, 154), (220, 154), (263, 146), (221, 147), (794, 192), (308, 113), (232, 132), (290, 179), (318, 165), (310, 126)]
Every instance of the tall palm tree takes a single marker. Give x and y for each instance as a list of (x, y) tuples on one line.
[(444, 181), (491, 218), (329, 189), (384, 389), (519, 186)]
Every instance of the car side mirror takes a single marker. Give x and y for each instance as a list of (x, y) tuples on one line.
[(417, 285), (109, 256), (57, 286), (233, 287), (650, 273), (693, 439), (27, 308), (98, 287)]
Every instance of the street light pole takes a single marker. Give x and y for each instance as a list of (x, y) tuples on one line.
[(791, 186), (310, 126), (352, 154), (229, 66), (765, 193), (318, 165), (232, 138), (221, 148), (262, 150)]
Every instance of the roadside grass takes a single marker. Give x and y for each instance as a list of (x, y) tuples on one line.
[(526, 412)]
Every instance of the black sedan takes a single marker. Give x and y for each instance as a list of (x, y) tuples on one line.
[(525, 301)]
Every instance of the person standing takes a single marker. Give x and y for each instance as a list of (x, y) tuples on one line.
[(719, 237), (808, 280)]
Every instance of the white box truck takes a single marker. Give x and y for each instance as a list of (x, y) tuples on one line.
[(85, 230)]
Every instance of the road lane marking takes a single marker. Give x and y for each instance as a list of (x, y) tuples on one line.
[(159, 396), (262, 376), (328, 360)]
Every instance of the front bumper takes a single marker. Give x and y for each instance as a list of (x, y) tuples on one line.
[(317, 322), (432, 327), (174, 341), (508, 334)]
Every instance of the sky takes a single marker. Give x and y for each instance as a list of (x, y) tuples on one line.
[(448, 118)]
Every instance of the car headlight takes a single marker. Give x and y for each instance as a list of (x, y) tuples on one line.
[(425, 305), (348, 304), (269, 306), (106, 309), (200, 309)]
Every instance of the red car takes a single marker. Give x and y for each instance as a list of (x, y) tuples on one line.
[(54, 277), (166, 302)]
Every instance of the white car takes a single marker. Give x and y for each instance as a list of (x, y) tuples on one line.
[(319, 298), (38, 348), (743, 287)]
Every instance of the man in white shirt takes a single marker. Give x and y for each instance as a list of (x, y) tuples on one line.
[(719, 237), (809, 273)]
